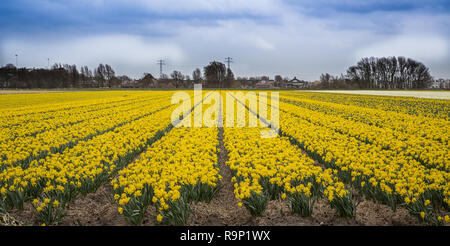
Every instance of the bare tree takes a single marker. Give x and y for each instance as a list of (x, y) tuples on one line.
[(390, 73), (278, 80), (197, 76), (325, 80), (229, 78), (99, 75), (109, 75), (178, 78), (215, 74)]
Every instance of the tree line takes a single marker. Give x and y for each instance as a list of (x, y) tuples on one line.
[(381, 73), (59, 76), (368, 73), (214, 75)]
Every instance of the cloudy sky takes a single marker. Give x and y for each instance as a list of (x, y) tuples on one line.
[(302, 38)]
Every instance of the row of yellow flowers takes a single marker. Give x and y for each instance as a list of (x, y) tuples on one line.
[(60, 177), (391, 150), (430, 128), (269, 168), (14, 126), (32, 102), (43, 108), (431, 153), (421, 107), (179, 168), (22, 151), (390, 177)]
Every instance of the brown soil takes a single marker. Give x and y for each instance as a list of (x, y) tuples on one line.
[(98, 209), (223, 208)]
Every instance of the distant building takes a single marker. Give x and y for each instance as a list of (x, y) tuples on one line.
[(265, 84), (235, 84), (148, 81), (314, 84), (247, 83), (165, 83), (128, 84), (189, 83), (296, 83), (441, 84)]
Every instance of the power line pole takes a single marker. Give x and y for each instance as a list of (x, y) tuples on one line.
[(48, 63), (229, 60), (17, 71), (161, 63)]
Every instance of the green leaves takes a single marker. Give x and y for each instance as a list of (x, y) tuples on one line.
[(178, 212), (134, 210), (345, 206), (257, 203), (301, 204)]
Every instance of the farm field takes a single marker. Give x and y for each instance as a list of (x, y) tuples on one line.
[(417, 94), (117, 158)]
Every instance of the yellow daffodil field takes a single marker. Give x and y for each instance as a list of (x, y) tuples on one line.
[(119, 158)]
